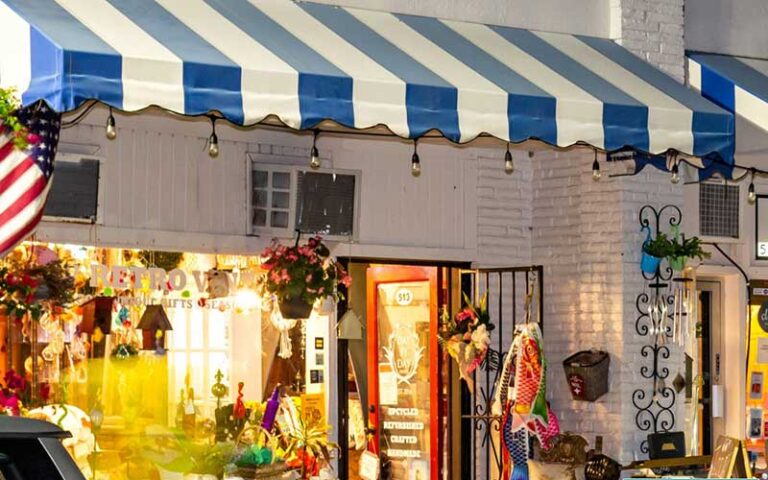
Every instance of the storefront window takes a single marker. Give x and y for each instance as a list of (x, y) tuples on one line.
[(174, 360), (200, 349)]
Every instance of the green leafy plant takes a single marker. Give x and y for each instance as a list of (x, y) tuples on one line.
[(176, 452), (302, 271), (9, 104), (688, 248), (308, 445), (165, 260), (660, 247)]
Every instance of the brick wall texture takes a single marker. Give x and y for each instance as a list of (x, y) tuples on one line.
[(586, 236)]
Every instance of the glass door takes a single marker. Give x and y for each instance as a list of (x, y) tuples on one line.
[(403, 368)]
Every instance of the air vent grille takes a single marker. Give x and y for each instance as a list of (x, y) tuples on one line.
[(719, 210)]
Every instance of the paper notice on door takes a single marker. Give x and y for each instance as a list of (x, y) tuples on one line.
[(762, 350), (387, 388)]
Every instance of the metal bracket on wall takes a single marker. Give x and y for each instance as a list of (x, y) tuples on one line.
[(655, 406)]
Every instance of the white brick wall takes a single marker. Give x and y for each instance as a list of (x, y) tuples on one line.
[(652, 30)]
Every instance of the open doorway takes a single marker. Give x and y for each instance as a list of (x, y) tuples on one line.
[(395, 398), (709, 368)]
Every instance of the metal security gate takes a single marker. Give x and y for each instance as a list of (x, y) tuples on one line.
[(508, 292)]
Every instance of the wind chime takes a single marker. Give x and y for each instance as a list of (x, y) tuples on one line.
[(521, 395)]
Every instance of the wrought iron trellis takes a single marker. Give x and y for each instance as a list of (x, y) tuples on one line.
[(655, 408), (507, 290)]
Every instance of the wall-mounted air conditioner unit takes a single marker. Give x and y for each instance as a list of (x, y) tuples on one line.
[(74, 193)]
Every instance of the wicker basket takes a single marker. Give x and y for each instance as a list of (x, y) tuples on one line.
[(587, 374), (600, 467)]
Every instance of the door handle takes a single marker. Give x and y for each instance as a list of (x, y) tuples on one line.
[(372, 408)]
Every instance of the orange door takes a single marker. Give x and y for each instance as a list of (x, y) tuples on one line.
[(403, 368)]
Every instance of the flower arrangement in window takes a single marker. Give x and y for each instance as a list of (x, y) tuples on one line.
[(300, 275), (466, 336), (12, 393), (35, 285)]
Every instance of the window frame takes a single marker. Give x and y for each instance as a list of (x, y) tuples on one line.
[(203, 398), (265, 163)]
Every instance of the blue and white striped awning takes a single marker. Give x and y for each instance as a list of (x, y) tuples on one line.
[(740, 85), (305, 63)]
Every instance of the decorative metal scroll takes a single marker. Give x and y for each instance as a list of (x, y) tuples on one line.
[(655, 403)]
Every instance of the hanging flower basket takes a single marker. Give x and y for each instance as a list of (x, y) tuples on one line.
[(300, 275), (654, 250), (678, 263), (295, 308), (649, 264)]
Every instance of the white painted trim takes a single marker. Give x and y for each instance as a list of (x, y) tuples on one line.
[(115, 237)]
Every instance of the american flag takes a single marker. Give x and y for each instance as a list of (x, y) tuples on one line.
[(25, 176)]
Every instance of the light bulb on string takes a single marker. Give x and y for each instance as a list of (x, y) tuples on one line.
[(213, 140), (509, 163), (751, 195), (596, 175), (675, 178), (415, 161), (111, 130), (314, 155)]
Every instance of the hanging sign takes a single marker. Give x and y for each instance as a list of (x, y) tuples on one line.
[(369, 466)]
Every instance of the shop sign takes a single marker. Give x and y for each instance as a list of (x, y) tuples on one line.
[(403, 353), (124, 277)]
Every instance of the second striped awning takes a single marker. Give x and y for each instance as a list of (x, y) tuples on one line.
[(305, 63)]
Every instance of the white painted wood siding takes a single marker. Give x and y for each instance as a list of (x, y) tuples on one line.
[(160, 188)]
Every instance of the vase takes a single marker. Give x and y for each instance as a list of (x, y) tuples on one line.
[(678, 263), (649, 264), (295, 308)]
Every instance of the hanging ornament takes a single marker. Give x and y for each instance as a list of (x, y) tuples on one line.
[(238, 412), (284, 327)]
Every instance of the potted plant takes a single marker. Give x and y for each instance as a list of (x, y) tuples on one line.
[(654, 250), (681, 251), (300, 275), (308, 448), (178, 457)]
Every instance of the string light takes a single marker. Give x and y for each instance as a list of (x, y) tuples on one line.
[(751, 195), (314, 155), (415, 162), (509, 163), (675, 178), (596, 169), (213, 140), (111, 131)]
